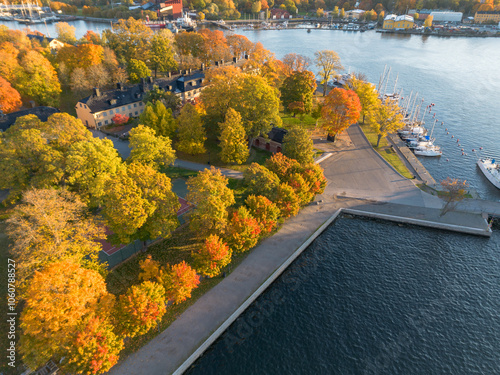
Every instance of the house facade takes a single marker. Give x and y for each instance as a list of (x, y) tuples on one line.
[(393, 22), (279, 14), (354, 14), (99, 108), (482, 17), (273, 142)]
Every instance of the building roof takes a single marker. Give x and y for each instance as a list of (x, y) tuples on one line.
[(389, 17), (43, 113), (277, 134), (279, 12), (40, 38), (404, 17)]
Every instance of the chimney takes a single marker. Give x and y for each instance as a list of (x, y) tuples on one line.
[(97, 92), (150, 79), (32, 103), (202, 68), (247, 56), (119, 86), (216, 63), (190, 70), (235, 60), (222, 62), (169, 74)]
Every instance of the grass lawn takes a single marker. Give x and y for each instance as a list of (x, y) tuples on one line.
[(306, 121), (386, 151)]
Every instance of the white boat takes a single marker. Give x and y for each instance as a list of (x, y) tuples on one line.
[(491, 170), (415, 130), (428, 151)]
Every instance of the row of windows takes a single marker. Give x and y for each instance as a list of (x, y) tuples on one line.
[(106, 122), (117, 110)]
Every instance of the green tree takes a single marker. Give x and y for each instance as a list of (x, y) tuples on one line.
[(94, 349), (140, 309), (209, 193), (56, 301), (243, 230), (140, 204), (264, 211), (148, 148), (301, 188), (298, 145), (313, 175), (341, 108), (261, 181), (169, 99), (212, 256), (299, 87), (233, 140), (162, 54), (136, 70), (38, 80), (386, 118), (158, 117), (90, 165), (50, 225), (328, 63), (191, 134), (130, 39), (282, 166)]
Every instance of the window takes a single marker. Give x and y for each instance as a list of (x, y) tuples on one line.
[(130, 114), (110, 111), (106, 122), (129, 106), (135, 105), (80, 105), (99, 123), (141, 111), (104, 114), (136, 113), (141, 104)]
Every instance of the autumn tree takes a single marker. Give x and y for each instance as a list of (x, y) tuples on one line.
[(95, 347), (38, 79), (82, 56), (386, 118), (129, 39), (328, 64), (213, 255), (169, 99), (10, 100), (190, 49), (160, 118), (139, 204), (57, 299), (140, 309), (148, 148), (209, 193), (298, 145), (261, 181), (367, 94), (9, 64), (120, 119), (313, 175), (295, 62), (239, 45), (341, 108), (428, 21), (65, 32), (455, 191), (48, 226), (90, 165), (264, 211), (191, 134), (232, 139), (301, 188), (162, 54), (179, 280), (287, 200), (215, 47), (299, 87), (243, 230), (282, 165), (150, 269), (137, 69)]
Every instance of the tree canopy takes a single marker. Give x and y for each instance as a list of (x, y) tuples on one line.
[(328, 64), (148, 148), (340, 110), (233, 140)]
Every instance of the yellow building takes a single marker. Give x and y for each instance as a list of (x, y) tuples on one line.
[(482, 17), (393, 22)]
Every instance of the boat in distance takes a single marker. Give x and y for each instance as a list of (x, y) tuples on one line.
[(491, 170)]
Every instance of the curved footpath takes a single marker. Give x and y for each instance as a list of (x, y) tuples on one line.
[(360, 182)]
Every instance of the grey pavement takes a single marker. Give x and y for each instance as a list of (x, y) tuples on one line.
[(120, 145), (358, 178)]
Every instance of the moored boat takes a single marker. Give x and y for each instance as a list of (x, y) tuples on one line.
[(491, 170), (428, 151)]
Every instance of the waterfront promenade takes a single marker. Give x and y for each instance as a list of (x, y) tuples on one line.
[(359, 181)]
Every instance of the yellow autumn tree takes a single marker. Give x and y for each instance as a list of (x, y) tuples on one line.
[(57, 299)]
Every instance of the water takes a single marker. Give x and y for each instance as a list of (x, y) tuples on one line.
[(372, 297), (49, 29)]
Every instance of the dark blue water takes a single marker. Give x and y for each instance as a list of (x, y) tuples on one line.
[(372, 297)]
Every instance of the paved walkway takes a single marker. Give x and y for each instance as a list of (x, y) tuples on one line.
[(231, 173), (358, 179)]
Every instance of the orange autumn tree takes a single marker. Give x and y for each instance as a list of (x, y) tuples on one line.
[(120, 119), (243, 230), (140, 308), (341, 108), (56, 301), (179, 280), (301, 188), (150, 269), (288, 202), (264, 211), (212, 256), (313, 175), (94, 349), (10, 100), (282, 166)]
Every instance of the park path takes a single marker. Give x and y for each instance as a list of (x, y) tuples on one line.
[(359, 179)]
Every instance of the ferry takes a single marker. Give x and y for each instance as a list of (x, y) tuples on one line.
[(491, 170)]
